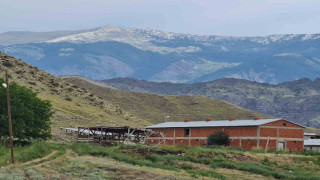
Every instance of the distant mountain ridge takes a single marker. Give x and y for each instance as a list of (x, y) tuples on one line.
[(111, 52), (297, 100)]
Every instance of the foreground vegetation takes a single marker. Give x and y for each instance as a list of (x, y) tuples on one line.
[(164, 162)]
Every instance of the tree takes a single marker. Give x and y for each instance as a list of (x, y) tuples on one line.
[(30, 115), (218, 138)]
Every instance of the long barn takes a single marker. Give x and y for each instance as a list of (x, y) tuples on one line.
[(270, 134)]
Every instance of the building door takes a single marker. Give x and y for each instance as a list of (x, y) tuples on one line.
[(281, 146)]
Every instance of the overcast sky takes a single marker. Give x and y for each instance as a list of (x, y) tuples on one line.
[(214, 17)]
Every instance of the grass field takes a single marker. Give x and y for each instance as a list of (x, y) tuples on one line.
[(52, 160)]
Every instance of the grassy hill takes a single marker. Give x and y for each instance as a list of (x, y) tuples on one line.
[(298, 101), (72, 105), (153, 107)]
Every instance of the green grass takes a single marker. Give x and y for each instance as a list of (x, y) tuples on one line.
[(197, 162), (27, 153), (212, 157)]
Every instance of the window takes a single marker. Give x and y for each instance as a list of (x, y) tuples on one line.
[(186, 132), (294, 142), (197, 139), (284, 124)]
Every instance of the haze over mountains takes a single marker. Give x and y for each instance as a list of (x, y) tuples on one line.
[(110, 52)]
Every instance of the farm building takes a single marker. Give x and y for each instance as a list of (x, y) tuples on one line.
[(312, 145), (311, 136), (271, 134)]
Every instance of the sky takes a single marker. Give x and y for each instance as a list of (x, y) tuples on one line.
[(204, 17)]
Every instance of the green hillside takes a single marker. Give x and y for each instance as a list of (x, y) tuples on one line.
[(73, 106), (154, 108)]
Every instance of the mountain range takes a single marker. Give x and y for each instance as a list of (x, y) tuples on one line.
[(297, 100), (146, 54)]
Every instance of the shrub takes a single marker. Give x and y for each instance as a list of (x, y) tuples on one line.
[(7, 64), (218, 138), (265, 161), (30, 115)]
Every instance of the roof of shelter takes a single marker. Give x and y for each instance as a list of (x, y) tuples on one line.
[(222, 123)]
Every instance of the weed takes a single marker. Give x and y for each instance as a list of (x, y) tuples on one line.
[(265, 161)]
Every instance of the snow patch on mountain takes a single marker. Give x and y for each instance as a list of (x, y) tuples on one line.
[(144, 38), (138, 38), (288, 54)]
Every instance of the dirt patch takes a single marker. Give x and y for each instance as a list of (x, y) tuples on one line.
[(212, 155), (242, 158), (144, 152)]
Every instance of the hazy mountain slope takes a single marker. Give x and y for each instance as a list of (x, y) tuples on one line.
[(298, 101), (155, 107), (110, 52)]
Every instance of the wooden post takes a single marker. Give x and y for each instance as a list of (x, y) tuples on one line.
[(9, 118), (101, 136), (267, 144), (174, 136), (128, 138), (258, 137), (78, 132)]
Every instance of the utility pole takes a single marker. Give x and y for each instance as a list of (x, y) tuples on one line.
[(9, 117)]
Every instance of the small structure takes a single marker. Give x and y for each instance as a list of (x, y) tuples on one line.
[(269, 134), (105, 135), (312, 142), (312, 145), (311, 136)]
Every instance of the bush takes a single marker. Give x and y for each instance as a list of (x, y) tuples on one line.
[(30, 115), (218, 138), (265, 161)]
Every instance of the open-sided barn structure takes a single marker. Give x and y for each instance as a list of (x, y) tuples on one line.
[(108, 135), (271, 134)]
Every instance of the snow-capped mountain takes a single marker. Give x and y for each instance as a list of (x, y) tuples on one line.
[(110, 52)]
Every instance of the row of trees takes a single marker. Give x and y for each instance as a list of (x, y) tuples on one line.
[(30, 115)]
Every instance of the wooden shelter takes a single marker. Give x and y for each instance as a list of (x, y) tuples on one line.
[(106, 135)]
